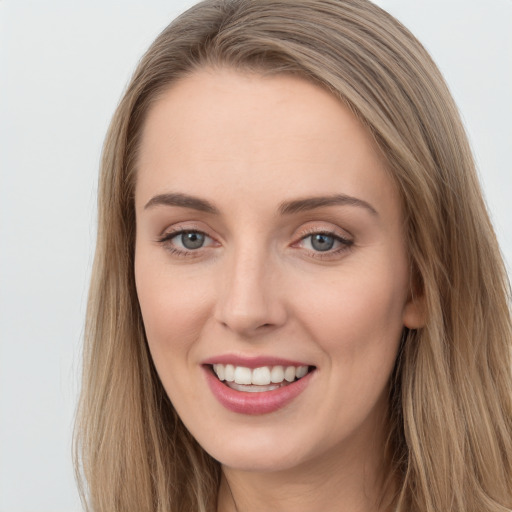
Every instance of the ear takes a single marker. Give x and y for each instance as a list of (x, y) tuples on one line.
[(415, 312)]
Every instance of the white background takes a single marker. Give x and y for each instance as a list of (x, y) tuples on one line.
[(63, 66)]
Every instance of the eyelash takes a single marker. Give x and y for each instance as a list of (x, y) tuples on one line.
[(345, 243), (165, 240)]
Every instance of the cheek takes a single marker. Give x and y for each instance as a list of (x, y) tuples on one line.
[(358, 327), (173, 307), (358, 316)]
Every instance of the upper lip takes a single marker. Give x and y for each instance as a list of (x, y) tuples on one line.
[(252, 361)]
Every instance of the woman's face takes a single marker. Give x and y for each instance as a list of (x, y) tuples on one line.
[(269, 244)]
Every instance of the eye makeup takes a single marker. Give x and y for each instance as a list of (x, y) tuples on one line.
[(323, 243), (319, 243), (186, 242)]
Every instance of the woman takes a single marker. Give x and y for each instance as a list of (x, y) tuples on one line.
[(298, 301)]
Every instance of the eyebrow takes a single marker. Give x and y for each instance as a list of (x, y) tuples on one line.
[(286, 208), (183, 200), (311, 203)]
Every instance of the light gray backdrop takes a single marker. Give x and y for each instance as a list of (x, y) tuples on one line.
[(63, 66)]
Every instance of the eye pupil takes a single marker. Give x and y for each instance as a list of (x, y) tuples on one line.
[(192, 240), (321, 242)]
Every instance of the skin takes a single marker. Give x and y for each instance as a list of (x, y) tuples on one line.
[(247, 143)]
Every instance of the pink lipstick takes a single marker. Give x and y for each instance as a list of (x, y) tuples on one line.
[(259, 385)]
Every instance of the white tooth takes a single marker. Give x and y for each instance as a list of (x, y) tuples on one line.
[(219, 370), (301, 371), (243, 375), (229, 372), (253, 389), (289, 373), (261, 376), (277, 374)]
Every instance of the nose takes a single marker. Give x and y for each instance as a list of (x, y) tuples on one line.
[(250, 301)]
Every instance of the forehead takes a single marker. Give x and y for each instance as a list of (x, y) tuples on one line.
[(224, 134)]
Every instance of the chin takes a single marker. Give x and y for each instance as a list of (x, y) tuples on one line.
[(257, 460), (261, 449)]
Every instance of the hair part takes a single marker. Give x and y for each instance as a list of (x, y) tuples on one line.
[(450, 439)]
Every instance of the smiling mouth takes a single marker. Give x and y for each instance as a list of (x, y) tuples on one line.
[(258, 380)]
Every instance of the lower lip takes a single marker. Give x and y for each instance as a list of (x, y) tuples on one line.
[(263, 402)]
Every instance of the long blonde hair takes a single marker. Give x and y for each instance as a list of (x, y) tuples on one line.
[(450, 433)]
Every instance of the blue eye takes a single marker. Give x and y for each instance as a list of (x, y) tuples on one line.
[(185, 241), (325, 243), (322, 242), (192, 239)]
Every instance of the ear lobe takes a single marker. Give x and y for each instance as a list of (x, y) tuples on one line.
[(415, 312)]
